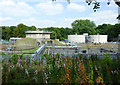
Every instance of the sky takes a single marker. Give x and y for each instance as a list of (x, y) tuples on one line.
[(45, 13)]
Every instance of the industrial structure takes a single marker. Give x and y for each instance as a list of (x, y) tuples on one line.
[(87, 38), (76, 38), (38, 34)]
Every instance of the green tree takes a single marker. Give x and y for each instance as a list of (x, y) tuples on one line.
[(32, 28), (19, 31), (12, 30), (111, 30), (83, 26), (5, 32), (102, 29)]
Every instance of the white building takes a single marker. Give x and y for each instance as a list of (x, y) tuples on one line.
[(98, 38), (38, 34), (13, 39), (87, 38), (76, 38)]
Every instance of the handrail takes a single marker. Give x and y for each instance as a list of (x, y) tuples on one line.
[(39, 50)]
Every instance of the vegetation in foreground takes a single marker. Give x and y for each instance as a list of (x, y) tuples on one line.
[(61, 69)]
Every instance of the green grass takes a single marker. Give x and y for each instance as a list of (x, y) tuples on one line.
[(56, 42), (25, 43), (30, 50)]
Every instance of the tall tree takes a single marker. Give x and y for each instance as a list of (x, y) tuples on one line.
[(19, 31), (12, 31), (5, 32), (82, 26), (32, 28)]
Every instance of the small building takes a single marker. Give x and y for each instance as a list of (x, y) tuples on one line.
[(38, 34)]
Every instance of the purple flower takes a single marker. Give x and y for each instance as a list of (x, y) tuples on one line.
[(61, 58), (58, 64), (33, 65), (25, 62)]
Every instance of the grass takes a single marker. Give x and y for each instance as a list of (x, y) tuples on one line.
[(25, 43), (30, 50), (24, 51)]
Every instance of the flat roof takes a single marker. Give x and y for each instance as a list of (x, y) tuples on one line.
[(38, 32), (15, 38)]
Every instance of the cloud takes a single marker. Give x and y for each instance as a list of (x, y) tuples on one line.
[(58, 0), (5, 18), (8, 21), (106, 16), (75, 7), (50, 8), (11, 8), (38, 22), (101, 17)]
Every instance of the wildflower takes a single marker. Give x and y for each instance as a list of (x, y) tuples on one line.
[(25, 62), (99, 80), (18, 64), (58, 64), (61, 58), (46, 81), (21, 66), (11, 66), (36, 72), (33, 65), (1, 68), (64, 64), (26, 71)]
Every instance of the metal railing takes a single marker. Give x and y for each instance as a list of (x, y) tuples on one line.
[(39, 52)]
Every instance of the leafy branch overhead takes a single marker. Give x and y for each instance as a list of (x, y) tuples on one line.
[(96, 4)]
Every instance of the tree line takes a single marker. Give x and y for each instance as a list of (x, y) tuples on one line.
[(78, 26), (15, 31)]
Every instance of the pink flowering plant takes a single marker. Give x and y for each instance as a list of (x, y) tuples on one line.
[(61, 69)]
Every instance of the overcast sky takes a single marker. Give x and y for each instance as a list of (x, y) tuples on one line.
[(45, 13)]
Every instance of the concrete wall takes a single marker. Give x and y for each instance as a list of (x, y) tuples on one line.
[(38, 36), (98, 38), (76, 38)]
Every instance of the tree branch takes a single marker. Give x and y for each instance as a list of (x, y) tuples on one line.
[(117, 2)]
